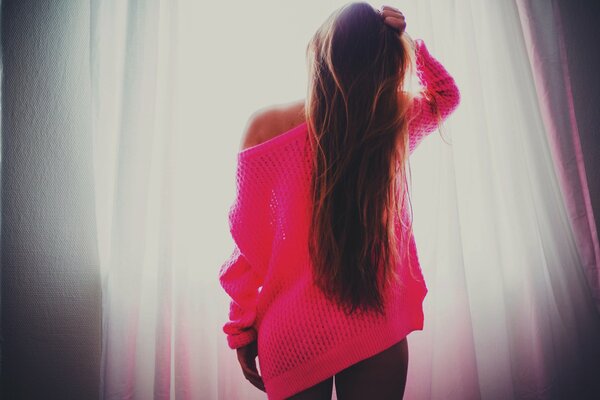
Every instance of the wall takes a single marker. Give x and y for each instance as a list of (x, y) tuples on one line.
[(50, 292)]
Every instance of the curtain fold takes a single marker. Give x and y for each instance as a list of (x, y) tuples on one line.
[(132, 71), (544, 39), (500, 231)]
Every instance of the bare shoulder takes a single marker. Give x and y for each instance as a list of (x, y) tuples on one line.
[(271, 121)]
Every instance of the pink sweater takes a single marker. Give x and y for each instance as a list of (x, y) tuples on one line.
[(303, 338)]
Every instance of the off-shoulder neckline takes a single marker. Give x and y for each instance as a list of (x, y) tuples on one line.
[(269, 143)]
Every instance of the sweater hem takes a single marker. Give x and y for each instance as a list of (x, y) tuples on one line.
[(357, 349)]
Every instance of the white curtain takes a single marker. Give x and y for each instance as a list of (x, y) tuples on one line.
[(509, 314)]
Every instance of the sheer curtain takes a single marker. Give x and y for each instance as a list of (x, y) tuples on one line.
[(509, 313)]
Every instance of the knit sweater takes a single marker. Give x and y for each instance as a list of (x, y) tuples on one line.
[(303, 337)]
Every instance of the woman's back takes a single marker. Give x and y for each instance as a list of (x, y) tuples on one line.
[(302, 335)]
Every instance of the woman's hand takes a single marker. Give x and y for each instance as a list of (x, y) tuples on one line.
[(247, 357), (393, 17)]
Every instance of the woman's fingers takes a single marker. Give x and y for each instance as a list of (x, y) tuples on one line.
[(251, 374), (395, 23), (387, 11), (254, 378), (385, 7), (393, 17), (391, 13), (247, 359)]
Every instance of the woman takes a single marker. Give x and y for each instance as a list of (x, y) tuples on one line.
[(324, 278)]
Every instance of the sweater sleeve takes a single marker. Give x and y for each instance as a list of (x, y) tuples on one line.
[(241, 283), (440, 94)]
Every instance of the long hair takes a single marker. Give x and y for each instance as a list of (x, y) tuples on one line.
[(356, 115)]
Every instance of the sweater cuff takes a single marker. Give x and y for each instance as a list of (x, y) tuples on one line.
[(421, 56), (241, 339)]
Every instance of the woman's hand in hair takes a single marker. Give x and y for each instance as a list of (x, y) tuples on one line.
[(393, 17)]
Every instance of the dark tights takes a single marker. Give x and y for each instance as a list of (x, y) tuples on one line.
[(381, 377)]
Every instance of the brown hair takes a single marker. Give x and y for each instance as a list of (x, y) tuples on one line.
[(356, 116)]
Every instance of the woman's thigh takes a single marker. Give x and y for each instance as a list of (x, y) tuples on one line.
[(382, 376), (320, 391)]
